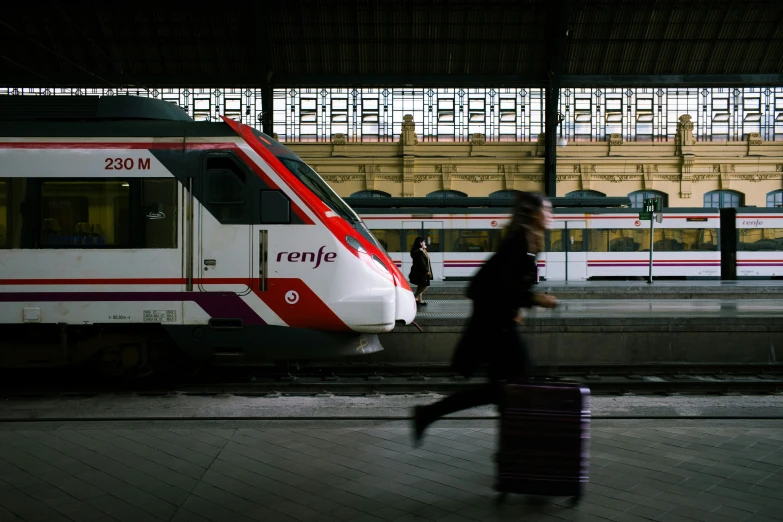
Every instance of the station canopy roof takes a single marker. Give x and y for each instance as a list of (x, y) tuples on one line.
[(392, 43)]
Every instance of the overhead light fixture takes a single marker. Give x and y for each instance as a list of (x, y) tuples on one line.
[(126, 184), (562, 142)]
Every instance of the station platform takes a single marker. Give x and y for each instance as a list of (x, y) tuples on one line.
[(363, 468), (610, 331), (640, 289)]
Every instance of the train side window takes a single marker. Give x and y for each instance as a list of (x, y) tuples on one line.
[(471, 240), (4, 211), (84, 214), (599, 240), (225, 189), (389, 239), (760, 239), (432, 236)]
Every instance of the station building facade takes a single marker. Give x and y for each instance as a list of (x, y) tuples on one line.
[(692, 147)]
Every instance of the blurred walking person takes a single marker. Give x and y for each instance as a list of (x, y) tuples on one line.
[(500, 288)]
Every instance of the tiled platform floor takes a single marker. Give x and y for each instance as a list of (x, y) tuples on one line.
[(364, 470)]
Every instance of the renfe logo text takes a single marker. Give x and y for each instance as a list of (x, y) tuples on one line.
[(304, 257), (753, 223)]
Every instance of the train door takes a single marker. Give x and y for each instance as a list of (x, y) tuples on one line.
[(565, 258), (432, 232), (226, 244)]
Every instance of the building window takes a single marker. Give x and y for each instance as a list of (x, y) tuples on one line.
[(508, 194), (447, 194), (775, 198), (585, 194), (370, 194), (637, 198), (723, 199)]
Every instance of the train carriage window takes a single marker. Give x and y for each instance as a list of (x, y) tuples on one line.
[(472, 240), (389, 239), (225, 189), (433, 238), (760, 239), (4, 211), (83, 214)]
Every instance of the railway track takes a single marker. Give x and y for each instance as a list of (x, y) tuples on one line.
[(346, 379)]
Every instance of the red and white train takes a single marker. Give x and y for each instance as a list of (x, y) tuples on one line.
[(124, 224), (600, 243)]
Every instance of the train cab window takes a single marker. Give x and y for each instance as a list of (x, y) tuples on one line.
[(4, 211), (84, 214), (225, 182)]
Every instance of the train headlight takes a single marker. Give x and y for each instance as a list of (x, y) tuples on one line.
[(380, 264), (355, 244)]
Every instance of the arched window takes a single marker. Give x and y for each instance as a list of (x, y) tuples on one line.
[(508, 194), (637, 198), (724, 199), (585, 194), (775, 198), (447, 194), (370, 194)]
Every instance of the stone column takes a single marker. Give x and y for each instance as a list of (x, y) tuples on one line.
[(408, 142)]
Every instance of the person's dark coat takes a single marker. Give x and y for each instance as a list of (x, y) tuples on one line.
[(421, 271), (500, 288)]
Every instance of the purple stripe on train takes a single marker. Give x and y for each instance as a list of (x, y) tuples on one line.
[(216, 304)]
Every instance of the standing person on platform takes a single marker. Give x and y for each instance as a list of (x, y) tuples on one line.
[(421, 271), (500, 288)]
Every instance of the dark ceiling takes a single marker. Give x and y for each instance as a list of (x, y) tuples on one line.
[(391, 43)]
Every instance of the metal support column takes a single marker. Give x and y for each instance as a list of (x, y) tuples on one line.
[(558, 33), (550, 145), (267, 108)]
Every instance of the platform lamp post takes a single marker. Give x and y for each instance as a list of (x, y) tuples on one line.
[(651, 212)]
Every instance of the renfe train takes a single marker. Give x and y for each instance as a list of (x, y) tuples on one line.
[(124, 225), (587, 243)]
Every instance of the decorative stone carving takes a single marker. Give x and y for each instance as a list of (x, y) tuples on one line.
[(396, 178), (755, 178), (368, 169), (478, 178), (669, 177), (615, 139), (408, 133), (616, 178), (425, 177), (446, 169), (778, 168), (477, 139), (530, 177), (754, 138), (685, 195), (339, 139), (640, 168), (684, 139), (342, 178), (567, 177)]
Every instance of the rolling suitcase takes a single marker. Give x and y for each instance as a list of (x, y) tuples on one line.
[(544, 439)]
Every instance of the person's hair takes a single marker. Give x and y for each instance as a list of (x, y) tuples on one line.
[(416, 244), (525, 214)]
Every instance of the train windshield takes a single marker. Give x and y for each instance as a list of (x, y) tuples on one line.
[(308, 176)]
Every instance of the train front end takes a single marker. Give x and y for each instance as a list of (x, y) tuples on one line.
[(351, 283)]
